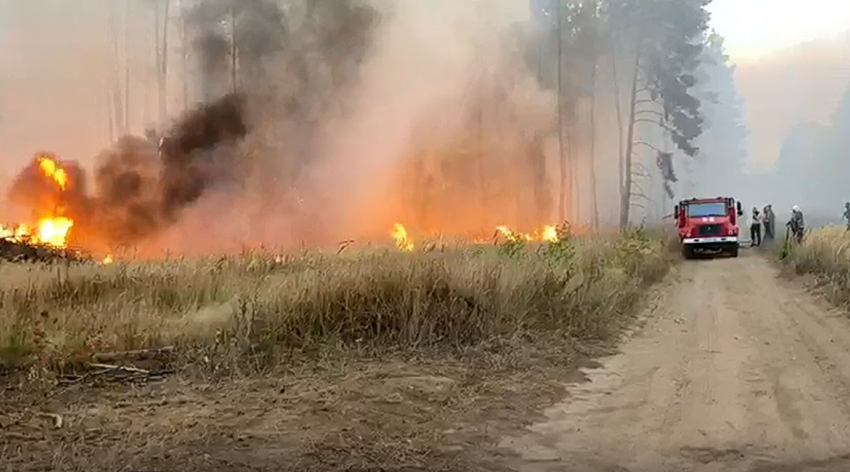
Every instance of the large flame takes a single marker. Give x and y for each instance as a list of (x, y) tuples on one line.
[(402, 240), (53, 227)]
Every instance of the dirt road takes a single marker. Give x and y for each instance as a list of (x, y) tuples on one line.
[(734, 369)]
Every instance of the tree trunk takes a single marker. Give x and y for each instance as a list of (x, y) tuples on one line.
[(184, 60), (563, 190), (594, 195), (233, 49), (626, 190), (480, 169), (110, 116), (575, 145), (118, 101), (563, 180), (126, 124), (618, 108), (162, 61)]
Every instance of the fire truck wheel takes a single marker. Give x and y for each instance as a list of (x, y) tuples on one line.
[(734, 251), (687, 252)]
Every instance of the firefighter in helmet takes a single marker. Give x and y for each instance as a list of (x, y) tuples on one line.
[(797, 224)]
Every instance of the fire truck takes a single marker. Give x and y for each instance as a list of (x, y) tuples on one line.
[(708, 225)]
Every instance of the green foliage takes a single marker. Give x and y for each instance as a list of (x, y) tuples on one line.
[(562, 250), (512, 246)]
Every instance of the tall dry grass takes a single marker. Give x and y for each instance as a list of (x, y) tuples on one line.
[(257, 306), (825, 255)]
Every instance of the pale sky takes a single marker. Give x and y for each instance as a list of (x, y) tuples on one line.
[(754, 28)]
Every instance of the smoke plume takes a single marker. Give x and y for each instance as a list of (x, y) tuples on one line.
[(349, 115), (143, 186)]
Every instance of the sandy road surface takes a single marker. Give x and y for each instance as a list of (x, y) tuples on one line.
[(734, 370)]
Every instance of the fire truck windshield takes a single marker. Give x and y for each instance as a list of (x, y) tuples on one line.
[(696, 210)]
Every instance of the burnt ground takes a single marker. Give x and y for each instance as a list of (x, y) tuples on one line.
[(340, 412)]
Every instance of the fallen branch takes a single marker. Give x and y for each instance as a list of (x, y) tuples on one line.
[(140, 354), (110, 368)]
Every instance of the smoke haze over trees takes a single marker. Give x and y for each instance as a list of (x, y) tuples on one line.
[(793, 103), (452, 117)]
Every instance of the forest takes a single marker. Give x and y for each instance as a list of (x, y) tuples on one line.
[(818, 153), (596, 112)]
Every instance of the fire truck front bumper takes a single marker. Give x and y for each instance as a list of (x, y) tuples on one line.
[(711, 241)]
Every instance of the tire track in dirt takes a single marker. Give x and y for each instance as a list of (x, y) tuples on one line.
[(734, 370)]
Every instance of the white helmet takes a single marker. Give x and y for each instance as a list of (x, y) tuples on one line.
[(796, 209)]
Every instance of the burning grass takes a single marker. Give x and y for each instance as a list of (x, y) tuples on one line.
[(256, 307)]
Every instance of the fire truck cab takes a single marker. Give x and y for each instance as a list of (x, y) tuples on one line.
[(708, 225)]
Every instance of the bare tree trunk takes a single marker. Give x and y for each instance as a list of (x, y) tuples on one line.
[(594, 193), (481, 171), (126, 125), (117, 100), (619, 111), (184, 60), (563, 190), (563, 176), (162, 59), (571, 197), (233, 48), (626, 190), (110, 116)]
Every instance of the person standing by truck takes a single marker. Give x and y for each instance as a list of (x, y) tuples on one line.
[(755, 227), (769, 222)]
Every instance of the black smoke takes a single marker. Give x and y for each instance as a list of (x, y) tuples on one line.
[(143, 184)]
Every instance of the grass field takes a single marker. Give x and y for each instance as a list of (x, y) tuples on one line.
[(824, 256), (383, 358)]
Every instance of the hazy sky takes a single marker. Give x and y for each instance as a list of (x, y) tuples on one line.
[(794, 64), (754, 28)]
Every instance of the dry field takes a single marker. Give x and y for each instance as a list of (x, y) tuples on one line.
[(366, 360), (824, 261)]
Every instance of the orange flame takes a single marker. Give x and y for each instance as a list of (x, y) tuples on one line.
[(549, 234), (52, 169), (402, 240), (54, 231), (53, 228)]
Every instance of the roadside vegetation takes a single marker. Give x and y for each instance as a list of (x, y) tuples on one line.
[(824, 256), (374, 359), (251, 309)]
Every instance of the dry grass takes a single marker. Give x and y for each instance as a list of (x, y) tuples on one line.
[(825, 256), (255, 307), (371, 360)]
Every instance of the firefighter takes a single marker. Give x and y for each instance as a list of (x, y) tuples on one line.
[(797, 224), (768, 220), (755, 227), (847, 214)]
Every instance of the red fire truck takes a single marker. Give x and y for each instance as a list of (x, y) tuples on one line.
[(708, 225)]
